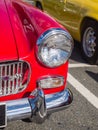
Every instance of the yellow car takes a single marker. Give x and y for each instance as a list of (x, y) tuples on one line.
[(80, 17)]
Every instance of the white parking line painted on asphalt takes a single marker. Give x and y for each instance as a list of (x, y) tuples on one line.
[(81, 65), (84, 91)]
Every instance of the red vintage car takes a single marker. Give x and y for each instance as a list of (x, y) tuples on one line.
[(34, 55)]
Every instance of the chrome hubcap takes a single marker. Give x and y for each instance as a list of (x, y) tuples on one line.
[(89, 42)]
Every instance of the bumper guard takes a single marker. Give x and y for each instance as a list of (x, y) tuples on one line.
[(40, 105)]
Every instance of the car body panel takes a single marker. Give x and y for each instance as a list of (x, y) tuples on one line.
[(31, 87), (65, 11), (25, 34), (8, 44)]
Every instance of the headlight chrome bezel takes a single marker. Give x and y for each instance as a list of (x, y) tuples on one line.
[(41, 41)]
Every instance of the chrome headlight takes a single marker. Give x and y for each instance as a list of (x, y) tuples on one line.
[(54, 47)]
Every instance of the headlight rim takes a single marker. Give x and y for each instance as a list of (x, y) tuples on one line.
[(45, 36)]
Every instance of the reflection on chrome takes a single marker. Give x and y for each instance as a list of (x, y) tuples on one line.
[(59, 100)]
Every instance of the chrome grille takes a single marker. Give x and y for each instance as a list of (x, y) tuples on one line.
[(14, 77)]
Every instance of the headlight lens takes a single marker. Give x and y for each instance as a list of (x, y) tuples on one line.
[(54, 47)]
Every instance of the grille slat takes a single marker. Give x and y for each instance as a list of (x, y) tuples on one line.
[(17, 79), (12, 89), (20, 79), (12, 77), (9, 74), (0, 80), (5, 83)]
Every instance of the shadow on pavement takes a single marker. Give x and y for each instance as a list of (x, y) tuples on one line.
[(93, 75), (76, 54)]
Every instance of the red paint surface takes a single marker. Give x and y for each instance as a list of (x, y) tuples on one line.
[(22, 27)]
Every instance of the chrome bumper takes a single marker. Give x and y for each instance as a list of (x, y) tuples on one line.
[(38, 105)]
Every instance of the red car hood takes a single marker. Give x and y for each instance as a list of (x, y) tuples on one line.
[(8, 49), (24, 37)]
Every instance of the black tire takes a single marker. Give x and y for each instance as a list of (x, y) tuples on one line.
[(39, 6), (90, 42)]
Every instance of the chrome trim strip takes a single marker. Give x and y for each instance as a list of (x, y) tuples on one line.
[(58, 101), (39, 105), (27, 107), (53, 31), (18, 109)]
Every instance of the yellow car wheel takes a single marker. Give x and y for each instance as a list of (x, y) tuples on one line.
[(90, 42)]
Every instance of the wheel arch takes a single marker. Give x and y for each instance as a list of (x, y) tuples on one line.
[(39, 2)]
